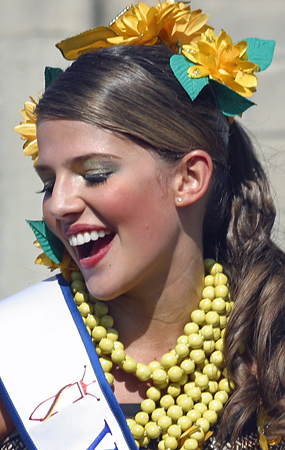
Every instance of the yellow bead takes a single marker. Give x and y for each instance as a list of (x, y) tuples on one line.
[(106, 345), (92, 321), (171, 443), (190, 444), (110, 378), (118, 356), (215, 405), (152, 430), (198, 435), (221, 291), (198, 317), (209, 263), (220, 345), (209, 280), (174, 389), (222, 396), (107, 321), (161, 445), (219, 305), (208, 346), (167, 401), (175, 412), (217, 358), (220, 278), (183, 339), (129, 365), (137, 431), (206, 397), (80, 297), (168, 360), (195, 340), (201, 407), (188, 366), (159, 376), (99, 333), (153, 394), (112, 334), (184, 422), (194, 393), (185, 402), (217, 268), (101, 309), (204, 424), (212, 318), (217, 333), (142, 418), (209, 292), (175, 373), (157, 414), (143, 372), (84, 309), (182, 350), (148, 406), (191, 327), (183, 380), (154, 365), (205, 304), (174, 431), (118, 345), (202, 381), (143, 442), (106, 364), (207, 332), (198, 356), (164, 422), (194, 415), (211, 416), (224, 385), (211, 370), (223, 322), (131, 423)]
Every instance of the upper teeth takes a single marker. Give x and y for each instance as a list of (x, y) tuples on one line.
[(83, 238)]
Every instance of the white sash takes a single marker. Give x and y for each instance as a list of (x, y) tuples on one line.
[(50, 377)]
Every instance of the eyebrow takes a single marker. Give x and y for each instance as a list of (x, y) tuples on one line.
[(80, 159)]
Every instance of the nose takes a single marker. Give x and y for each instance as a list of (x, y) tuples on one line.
[(65, 199)]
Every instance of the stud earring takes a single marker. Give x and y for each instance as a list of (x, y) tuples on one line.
[(179, 199)]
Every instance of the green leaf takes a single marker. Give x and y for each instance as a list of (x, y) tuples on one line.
[(180, 65), (230, 103), (51, 74), (260, 52), (51, 245)]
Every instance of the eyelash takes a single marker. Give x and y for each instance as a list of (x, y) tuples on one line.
[(91, 180)]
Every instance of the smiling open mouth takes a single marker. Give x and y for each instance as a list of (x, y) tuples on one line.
[(88, 244)]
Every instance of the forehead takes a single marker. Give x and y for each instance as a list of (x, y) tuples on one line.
[(64, 140)]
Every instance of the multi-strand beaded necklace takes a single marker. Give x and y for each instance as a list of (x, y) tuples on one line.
[(189, 386)]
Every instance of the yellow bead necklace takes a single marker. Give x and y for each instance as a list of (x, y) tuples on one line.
[(189, 383)]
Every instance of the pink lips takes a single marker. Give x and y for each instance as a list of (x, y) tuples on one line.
[(99, 250)]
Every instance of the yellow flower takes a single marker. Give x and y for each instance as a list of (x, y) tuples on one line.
[(221, 60), (183, 26), (169, 22), (67, 265), (28, 130)]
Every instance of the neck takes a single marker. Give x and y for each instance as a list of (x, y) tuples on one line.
[(149, 323)]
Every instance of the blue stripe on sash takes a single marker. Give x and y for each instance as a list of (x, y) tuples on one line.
[(106, 388)]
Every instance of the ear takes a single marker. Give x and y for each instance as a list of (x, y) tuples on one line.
[(192, 177)]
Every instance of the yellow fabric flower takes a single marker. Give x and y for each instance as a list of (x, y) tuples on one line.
[(169, 22), (183, 26), (223, 61), (28, 130), (67, 265)]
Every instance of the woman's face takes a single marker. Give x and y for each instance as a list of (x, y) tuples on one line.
[(111, 203)]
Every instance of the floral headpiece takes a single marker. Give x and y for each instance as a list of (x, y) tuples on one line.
[(200, 57)]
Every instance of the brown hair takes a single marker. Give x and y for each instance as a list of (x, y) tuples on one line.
[(132, 90)]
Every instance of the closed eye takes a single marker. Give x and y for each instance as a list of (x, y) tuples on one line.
[(96, 178)]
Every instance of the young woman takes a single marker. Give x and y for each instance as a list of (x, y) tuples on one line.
[(141, 182)]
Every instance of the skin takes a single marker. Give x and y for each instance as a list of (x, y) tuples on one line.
[(152, 273)]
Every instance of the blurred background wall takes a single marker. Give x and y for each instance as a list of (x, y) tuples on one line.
[(28, 31)]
